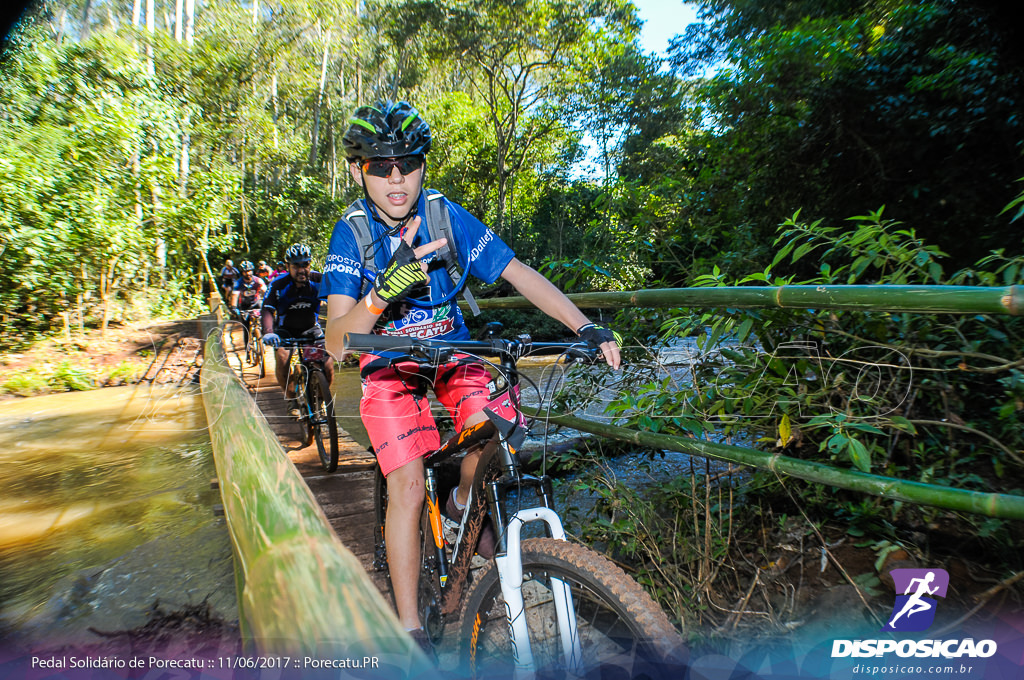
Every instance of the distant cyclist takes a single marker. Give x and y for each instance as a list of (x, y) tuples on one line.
[(290, 311), (247, 295), (264, 271), (280, 269), (228, 274)]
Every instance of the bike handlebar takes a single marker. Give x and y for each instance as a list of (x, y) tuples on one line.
[(301, 342), (418, 347)]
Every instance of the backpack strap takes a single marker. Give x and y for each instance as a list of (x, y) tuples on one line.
[(439, 224), (440, 219), (359, 223)]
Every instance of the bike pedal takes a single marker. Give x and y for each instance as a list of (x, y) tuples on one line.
[(449, 529)]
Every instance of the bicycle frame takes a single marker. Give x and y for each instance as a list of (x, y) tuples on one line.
[(305, 367), (503, 432)]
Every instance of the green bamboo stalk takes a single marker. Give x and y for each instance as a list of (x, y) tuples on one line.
[(1003, 506), (923, 299), (302, 593)]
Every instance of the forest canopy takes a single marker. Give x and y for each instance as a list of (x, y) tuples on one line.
[(144, 143)]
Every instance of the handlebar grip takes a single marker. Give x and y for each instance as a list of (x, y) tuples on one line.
[(366, 342)]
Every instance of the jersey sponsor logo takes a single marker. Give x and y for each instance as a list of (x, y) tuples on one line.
[(480, 245), (300, 304), (426, 330), (343, 265)]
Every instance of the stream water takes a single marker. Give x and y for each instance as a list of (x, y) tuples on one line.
[(106, 510)]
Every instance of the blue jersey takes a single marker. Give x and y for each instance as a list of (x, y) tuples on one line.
[(423, 316), (296, 307), (250, 294)]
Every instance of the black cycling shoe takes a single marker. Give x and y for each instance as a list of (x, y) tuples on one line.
[(423, 640)]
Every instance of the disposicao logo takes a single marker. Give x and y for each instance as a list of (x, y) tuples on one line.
[(914, 611), (915, 608)]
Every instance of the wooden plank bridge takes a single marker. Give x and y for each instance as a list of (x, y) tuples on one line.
[(345, 496)]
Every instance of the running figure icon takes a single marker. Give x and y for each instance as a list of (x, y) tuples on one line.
[(916, 586), (915, 604)]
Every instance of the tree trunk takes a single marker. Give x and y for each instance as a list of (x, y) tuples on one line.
[(273, 101), (150, 29), (84, 33), (319, 99), (190, 22), (178, 9)]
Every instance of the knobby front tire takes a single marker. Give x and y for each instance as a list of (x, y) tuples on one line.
[(622, 631), (325, 428)]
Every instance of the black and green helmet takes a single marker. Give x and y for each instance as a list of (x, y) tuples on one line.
[(386, 130)]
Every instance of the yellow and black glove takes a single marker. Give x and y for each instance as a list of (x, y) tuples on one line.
[(595, 335), (400, 276)]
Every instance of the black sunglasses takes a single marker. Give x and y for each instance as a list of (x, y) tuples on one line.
[(381, 167)]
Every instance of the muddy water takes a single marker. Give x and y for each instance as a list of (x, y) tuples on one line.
[(105, 509)]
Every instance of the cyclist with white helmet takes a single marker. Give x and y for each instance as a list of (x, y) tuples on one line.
[(290, 309), (228, 274), (411, 295)]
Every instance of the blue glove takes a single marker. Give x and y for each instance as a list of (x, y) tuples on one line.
[(272, 339)]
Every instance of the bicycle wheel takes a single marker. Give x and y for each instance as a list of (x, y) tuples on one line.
[(380, 511), (429, 591), (621, 630), (299, 378), (325, 427), (260, 354)]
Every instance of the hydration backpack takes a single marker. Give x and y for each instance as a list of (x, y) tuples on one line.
[(439, 225)]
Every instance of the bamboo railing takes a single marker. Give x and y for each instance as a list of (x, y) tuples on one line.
[(1004, 506), (912, 299), (923, 299), (302, 595)]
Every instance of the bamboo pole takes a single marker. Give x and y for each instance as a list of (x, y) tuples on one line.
[(1003, 506), (923, 299), (302, 593)]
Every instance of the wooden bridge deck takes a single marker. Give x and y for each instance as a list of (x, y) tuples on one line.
[(345, 496)]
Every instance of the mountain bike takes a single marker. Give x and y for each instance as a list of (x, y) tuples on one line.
[(543, 606), (254, 350), (307, 380)]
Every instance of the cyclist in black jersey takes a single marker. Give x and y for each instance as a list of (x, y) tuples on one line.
[(291, 309)]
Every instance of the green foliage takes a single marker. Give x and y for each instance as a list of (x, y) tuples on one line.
[(828, 107), (913, 395), (71, 378), (26, 383), (125, 372), (65, 376), (876, 250)]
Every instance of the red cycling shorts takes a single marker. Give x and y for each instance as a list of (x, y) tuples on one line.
[(395, 407)]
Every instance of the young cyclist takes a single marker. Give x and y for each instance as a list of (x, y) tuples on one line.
[(387, 146), (247, 295), (290, 310)]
